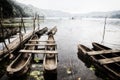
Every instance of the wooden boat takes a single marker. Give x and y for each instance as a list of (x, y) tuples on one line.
[(97, 47), (16, 44), (82, 50), (21, 64), (40, 32), (50, 60), (109, 66), (52, 31)]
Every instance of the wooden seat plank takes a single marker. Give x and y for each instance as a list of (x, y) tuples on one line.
[(43, 41), (92, 53), (109, 60), (38, 51), (50, 44)]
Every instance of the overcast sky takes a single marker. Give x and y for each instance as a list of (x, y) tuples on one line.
[(75, 6)]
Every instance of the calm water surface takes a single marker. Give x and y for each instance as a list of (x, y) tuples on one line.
[(84, 31)]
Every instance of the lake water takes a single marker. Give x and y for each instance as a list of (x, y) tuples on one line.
[(81, 31)]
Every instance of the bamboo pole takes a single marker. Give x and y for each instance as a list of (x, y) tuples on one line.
[(38, 23), (34, 18), (22, 24), (104, 30)]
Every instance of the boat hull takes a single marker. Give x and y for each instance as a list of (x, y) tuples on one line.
[(21, 64), (111, 70)]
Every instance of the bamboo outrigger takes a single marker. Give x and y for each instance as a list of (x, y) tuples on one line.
[(21, 64)]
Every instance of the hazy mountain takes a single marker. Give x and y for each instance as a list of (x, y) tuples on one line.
[(31, 10), (11, 8), (110, 14)]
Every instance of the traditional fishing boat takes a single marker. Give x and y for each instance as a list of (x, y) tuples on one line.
[(20, 65), (52, 31), (97, 47), (50, 59), (15, 44), (110, 63), (42, 31)]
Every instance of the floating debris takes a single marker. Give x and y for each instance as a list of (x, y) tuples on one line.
[(92, 68), (36, 66), (79, 78), (37, 75), (37, 60), (34, 73), (69, 70)]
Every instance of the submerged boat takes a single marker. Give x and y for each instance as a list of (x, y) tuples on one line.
[(50, 59), (21, 64), (110, 62)]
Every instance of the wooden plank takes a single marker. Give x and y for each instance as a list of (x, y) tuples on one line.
[(43, 41), (38, 51), (15, 44), (109, 60), (50, 44), (92, 53)]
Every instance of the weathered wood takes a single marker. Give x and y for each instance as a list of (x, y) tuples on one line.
[(92, 53), (38, 51), (50, 60), (104, 59), (20, 65), (40, 32), (52, 31), (43, 41), (50, 44), (16, 44), (109, 60)]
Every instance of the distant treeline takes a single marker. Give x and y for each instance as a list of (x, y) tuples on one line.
[(9, 8)]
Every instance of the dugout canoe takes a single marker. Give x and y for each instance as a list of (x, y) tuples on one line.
[(50, 60), (21, 64), (110, 63)]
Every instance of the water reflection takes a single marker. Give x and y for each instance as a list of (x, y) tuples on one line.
[(70, 34), (50, 76)]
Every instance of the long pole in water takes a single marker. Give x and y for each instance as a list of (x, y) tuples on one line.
[(38, 23), (104, 30), (22, 24), (34, 18)]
